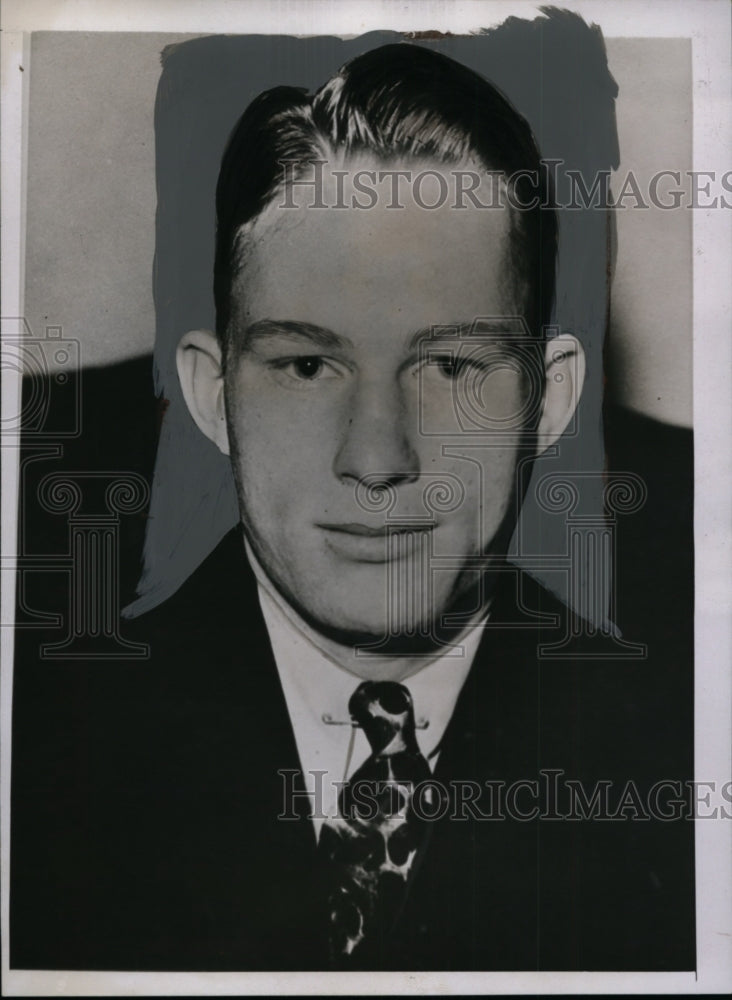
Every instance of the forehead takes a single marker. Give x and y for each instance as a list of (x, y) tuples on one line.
[(397, 262)]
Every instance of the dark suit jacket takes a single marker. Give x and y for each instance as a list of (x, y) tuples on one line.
[(146, 796)]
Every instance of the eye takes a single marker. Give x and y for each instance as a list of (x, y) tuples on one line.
[(305, 369), (472, 363), (447, 365), (308, 368)]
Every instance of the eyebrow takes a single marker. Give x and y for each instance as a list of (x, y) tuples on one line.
[(322, 337), (444, 332), (317, 335)]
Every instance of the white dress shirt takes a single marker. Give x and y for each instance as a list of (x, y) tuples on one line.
[(318, 678)]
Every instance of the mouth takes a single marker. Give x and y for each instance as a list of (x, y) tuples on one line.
[(382, 531), (385, 543)]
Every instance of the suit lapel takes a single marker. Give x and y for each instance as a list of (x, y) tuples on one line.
[(229, 719), (477, 880)]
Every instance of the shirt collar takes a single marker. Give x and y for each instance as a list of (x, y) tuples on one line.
[(321, 675)]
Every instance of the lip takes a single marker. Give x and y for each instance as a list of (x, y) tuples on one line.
[(363, 543)]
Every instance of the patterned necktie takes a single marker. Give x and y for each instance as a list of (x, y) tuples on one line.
[(370, 846)]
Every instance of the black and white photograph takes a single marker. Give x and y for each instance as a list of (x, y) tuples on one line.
[(366, 498)]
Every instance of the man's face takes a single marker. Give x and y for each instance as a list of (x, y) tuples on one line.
[(338, 380)]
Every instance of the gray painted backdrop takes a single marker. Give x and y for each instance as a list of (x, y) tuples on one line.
[(90, 250)]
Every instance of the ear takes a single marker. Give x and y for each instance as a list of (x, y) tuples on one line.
[(201, 378), (564, 367)]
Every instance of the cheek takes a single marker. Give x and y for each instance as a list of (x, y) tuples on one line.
[(274, 434), (282, 454), (500, 486), (479, 405), (487, 481)]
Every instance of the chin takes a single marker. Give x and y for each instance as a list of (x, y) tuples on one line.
[(348, 624), (364, 623)]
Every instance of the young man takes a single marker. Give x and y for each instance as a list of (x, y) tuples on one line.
[(343, 751)]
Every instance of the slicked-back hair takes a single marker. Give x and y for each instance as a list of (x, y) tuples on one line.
[(397, 102)]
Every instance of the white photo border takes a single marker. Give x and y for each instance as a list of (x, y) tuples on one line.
[(707, 24)]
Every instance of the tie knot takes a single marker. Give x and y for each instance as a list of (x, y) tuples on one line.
[(384, 710)]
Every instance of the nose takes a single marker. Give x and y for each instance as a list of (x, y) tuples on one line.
[(377, 436)]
